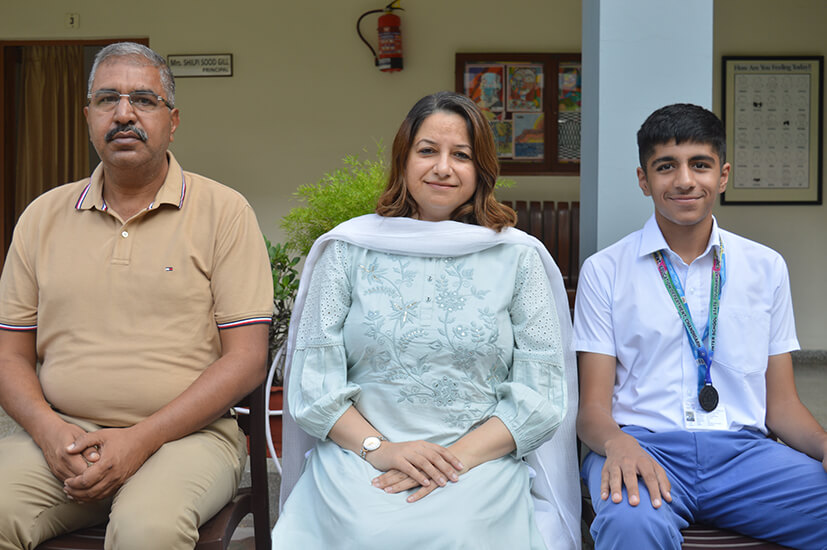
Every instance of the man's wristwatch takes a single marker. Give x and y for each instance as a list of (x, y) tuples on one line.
[(371, 443)]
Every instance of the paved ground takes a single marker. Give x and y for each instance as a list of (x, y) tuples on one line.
[(811, 382), (7, 425)]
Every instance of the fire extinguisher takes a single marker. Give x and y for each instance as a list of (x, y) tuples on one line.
[(389, 58)]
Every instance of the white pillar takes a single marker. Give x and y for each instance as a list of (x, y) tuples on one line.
[(638, 55)]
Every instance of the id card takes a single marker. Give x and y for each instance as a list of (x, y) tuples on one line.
[(695, 418)]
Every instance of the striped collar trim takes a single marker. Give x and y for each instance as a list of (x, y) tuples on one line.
[(173, 191), (181, 197), (82, 197)]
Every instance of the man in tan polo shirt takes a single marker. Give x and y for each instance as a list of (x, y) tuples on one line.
[(145, 293)]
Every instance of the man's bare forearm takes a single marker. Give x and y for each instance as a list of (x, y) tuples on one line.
[(21, 395)]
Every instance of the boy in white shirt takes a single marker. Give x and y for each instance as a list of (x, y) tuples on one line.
[(684, 333)]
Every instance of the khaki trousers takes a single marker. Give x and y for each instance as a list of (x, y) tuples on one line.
[(161, 506)]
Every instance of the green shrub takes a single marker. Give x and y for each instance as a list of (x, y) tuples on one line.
[(285, 285), (339, 196)]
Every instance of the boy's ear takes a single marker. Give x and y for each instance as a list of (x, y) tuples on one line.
[(643, 182), (724, 177)]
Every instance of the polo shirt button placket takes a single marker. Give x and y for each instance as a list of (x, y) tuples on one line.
[(123, 248)]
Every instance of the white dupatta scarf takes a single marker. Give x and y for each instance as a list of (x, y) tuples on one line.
[(556, 487)]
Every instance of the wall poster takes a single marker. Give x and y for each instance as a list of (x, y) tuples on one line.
[(772, 113)]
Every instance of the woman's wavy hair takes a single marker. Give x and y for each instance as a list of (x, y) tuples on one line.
[(482, 208)]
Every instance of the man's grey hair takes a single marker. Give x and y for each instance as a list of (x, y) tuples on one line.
[(131, 49)]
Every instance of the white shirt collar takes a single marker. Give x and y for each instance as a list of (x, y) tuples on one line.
[(652, 240)]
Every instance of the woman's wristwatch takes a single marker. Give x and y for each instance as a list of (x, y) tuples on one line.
[(371, 443)]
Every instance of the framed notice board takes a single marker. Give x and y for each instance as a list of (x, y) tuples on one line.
[(532, 102)]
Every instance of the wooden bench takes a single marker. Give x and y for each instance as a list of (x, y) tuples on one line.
[(556, 225)]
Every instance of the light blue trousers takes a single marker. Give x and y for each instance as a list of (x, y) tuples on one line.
[(740, 481)]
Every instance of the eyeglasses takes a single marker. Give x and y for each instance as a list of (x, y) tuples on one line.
[(107, 100)]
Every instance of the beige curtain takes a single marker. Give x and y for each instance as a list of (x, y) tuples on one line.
[(52, 141)]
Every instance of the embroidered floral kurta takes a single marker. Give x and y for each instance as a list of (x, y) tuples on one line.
[(424, 348)]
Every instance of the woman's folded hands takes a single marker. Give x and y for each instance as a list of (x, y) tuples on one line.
[(413, 464)]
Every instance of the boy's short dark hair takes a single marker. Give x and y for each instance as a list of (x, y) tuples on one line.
[(681, 122)]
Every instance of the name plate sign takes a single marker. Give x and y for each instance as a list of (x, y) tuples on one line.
[(219, 64)]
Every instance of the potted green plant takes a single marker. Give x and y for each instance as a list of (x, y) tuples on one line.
[(285, 285), (338, 196)]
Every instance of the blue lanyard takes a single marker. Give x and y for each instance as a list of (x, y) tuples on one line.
[(703, 356)]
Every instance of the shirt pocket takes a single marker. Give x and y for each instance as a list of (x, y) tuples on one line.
[(743, 340)]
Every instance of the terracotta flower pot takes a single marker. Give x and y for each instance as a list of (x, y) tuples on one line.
[(276, 404)]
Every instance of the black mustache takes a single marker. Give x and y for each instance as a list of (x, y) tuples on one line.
[(110, 135)]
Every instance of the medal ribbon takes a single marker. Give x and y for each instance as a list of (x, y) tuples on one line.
[(703, 356)]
